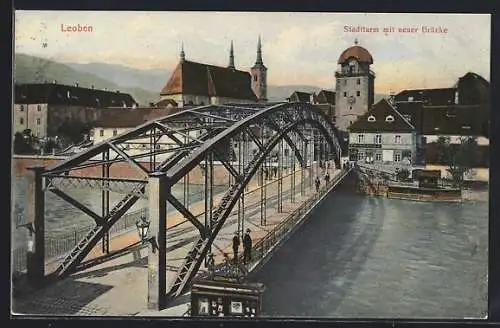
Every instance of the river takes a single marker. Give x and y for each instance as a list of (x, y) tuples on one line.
[(375, 257), (62, 218)]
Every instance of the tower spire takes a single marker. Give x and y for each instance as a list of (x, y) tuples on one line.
[(231, 57), (259, 53), (183, 55)]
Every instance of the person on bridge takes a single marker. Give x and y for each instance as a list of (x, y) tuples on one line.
[(236, 245), (317, 182), (327, 178), (247, 247)]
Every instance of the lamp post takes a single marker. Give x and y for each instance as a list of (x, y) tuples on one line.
[(143, 230)]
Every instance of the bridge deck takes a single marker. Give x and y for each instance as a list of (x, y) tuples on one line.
[(119, 286)]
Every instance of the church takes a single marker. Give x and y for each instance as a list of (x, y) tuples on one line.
[(194, 83)]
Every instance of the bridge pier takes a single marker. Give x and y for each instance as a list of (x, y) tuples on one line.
[(157, 247), (35, 212)]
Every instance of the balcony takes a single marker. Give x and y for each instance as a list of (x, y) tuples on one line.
[(353, 73)]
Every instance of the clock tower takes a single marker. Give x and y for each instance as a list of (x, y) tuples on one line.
[(354, 85)]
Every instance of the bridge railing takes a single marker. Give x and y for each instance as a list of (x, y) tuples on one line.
[(280, 231)]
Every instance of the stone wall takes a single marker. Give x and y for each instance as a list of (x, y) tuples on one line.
[(20, 164)]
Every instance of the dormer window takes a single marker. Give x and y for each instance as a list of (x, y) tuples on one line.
[(371, 118), (389, 118), (410, 98)]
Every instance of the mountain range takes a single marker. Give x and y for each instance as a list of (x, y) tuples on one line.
[(143, 85)]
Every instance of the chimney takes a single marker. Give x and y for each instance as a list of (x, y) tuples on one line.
[(105, 89), (92, 87), (54, 81), (151, 104), (76, 84), (134, 105), (117, 91)]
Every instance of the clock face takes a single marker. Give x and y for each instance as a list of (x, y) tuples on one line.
[(351, 100)]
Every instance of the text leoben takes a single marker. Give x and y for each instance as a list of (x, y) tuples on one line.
[(76, 28)]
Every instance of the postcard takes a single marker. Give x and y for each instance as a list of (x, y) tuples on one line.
[(250, 164)]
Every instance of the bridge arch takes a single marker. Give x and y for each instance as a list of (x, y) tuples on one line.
[(197, 132)]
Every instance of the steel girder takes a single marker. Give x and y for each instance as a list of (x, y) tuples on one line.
[(196, 133)]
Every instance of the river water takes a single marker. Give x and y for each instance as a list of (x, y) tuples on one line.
[(61, 218), (375, 257)]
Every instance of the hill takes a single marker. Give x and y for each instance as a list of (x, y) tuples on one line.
[(143, 85), (30, 69)]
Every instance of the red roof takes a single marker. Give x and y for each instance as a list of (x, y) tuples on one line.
[(357, 52), (131, 117), (207, 80)]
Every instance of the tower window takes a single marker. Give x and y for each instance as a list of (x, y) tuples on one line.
[(254, 78), (101, 133), (39, 108), (361, 138), (22, 108), (38, 121), (358, 93), (115, 132), (21, 121), (397, 139), (358, 81), (350, 107), (345, 94)]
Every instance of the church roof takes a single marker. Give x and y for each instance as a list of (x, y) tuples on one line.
[(357, 52), (382, 117), (207, 80), (59, 94)]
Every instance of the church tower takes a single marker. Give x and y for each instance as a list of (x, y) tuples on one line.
[(354, 85), (259, 75), (231, 58)]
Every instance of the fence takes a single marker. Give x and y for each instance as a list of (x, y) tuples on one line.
[(283, 229), (61, 244)]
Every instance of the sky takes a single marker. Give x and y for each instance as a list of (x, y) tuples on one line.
[(298, 48)]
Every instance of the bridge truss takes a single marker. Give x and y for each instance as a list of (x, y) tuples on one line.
[(175, 145)]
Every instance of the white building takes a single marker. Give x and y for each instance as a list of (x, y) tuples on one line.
[(383, 136)]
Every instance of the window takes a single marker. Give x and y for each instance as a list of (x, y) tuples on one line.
[(371, 118), (389, 119), (38, 121), (358, 81), (101, 133), (350, 107), (39, 108), (21, 108), (115, 133), (358, 93), (361, 138), (254, 78), (361, 156), (21, 121), (397, 157), (397, 139), (345, 94), (378, 157), (378, 139)]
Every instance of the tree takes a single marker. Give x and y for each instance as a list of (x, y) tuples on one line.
[(460, 158), (24, 142)]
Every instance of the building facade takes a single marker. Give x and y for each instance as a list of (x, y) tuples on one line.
[(194, 83), (383, 136), (44, 107), (354, 85)]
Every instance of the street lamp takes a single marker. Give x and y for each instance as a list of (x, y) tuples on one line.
[(143, 229)]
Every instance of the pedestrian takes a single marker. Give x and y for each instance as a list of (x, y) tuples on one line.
[(317, 182), (327, 178), (266, 172), (247, 247), (275, 169), (236, 245)]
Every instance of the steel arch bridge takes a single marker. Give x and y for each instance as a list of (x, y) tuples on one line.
[(173, 146)]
